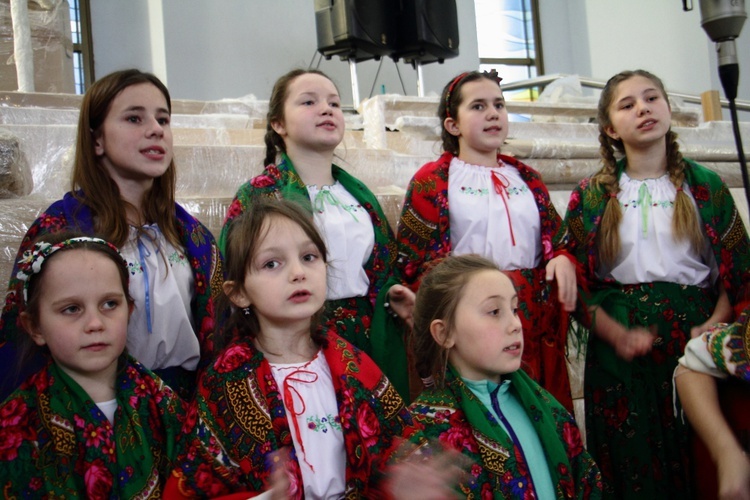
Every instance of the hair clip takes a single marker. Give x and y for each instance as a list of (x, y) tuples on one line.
[(32, 260), (494, 75)]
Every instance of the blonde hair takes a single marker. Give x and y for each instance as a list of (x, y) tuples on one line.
[(684, 221)]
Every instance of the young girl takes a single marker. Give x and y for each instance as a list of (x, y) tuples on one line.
[(664, 250), (283, 381), (93, 423), (305, 124), (123, 188), (468, 337), (499, 208)]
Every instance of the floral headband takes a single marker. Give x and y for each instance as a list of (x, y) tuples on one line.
[(491, 74), (32, 260)]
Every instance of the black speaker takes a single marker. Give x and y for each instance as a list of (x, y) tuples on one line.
[(427, 31), (356, 29)]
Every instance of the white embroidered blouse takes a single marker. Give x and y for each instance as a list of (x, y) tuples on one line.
[(160, 331), (493, 213), (648, 251), (315, 425), (347, 230)]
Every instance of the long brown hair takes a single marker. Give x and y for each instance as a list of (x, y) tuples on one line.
[(245, 235), (437, 298), (274, 142), (99, 191), (684, 221)]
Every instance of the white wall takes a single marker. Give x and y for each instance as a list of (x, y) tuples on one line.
[(216, 49), (599, 38), (231, 48)]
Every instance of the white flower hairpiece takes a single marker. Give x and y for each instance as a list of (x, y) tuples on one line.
[(33, 259)]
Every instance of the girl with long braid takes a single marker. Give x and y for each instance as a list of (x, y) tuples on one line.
[(305, 125), (664, 251)]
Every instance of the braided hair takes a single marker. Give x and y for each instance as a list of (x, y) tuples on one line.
[(684, 221)]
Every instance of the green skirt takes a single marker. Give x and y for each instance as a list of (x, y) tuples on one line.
[(639, 444)]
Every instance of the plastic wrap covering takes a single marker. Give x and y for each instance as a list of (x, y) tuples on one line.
[(17, 216), (15, 175), (219, 145), (51, 43)]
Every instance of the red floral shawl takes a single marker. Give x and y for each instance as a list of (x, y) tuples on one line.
[(239, 418)]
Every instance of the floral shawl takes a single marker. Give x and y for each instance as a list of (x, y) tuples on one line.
[(457, 419), (718, 214), (424, 227), (386, 337), (56, 443), (239, 418), (70, 214), (723, 351)]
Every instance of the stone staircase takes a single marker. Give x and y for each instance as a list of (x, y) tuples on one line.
[(219, 145)]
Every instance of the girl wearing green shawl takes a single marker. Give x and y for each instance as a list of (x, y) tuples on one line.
[(305, 124), (468, 344), (93, 423), (664, 252)]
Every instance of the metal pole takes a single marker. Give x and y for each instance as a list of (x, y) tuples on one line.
[(420, 80), (355, 83)]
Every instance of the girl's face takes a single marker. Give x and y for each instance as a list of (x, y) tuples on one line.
[(481, 123), (134, 142), (83, 314), (640, 115), (486, 340), (285, 282), (313, 120)]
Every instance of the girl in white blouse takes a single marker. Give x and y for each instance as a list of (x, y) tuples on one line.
[(664, 251), (123, 189), (305, 125), (475, 200)]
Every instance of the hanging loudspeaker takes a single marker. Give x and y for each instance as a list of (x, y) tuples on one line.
[(428, 31), (356, 29)]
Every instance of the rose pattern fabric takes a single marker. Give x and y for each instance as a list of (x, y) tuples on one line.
[(238, 419), (56, 443)]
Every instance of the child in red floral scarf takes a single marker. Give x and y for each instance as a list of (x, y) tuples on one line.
[(305, 124), (284, 382), (475, 200)]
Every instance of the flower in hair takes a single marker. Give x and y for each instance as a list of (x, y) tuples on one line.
[(33, 259)]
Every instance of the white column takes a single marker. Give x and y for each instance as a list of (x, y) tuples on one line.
[(158, 46), (22, 49)]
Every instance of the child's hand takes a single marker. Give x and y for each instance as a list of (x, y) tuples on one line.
[(279, 480), (698, 330), (402, 301), (733, 475), (429, 478), (562, 269), (635, 342)]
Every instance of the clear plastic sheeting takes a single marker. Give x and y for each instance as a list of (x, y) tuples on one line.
[(15, 175), (220, 144)]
